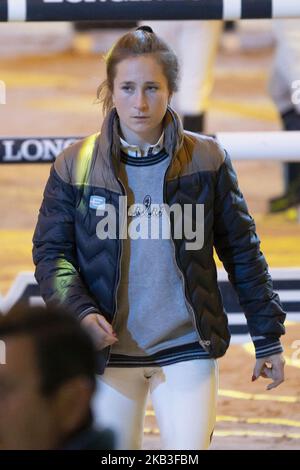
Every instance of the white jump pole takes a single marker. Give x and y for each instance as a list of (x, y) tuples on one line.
[(281, 146), (269, 146), (79, 10)]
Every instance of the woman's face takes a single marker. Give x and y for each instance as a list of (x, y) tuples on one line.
[(141, 96)]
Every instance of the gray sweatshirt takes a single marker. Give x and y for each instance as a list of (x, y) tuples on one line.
[(152, 315)]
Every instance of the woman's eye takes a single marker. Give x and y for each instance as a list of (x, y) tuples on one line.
[(130, 89)]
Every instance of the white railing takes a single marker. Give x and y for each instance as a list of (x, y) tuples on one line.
[(113, 10)]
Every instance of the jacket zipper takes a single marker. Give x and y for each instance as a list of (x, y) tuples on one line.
[(204, 343), (119, 270)]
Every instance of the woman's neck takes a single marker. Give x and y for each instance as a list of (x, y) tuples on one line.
[(141, 140)]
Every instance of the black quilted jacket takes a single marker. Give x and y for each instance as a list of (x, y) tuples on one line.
[(78, 270)]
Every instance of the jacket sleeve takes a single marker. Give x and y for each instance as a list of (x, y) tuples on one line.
[(54, 250), (238, 247)]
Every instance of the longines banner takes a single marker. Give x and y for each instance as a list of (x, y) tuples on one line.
[(33, 150), (76, 10), (286, 282)]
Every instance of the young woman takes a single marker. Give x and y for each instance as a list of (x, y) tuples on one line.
[(151, 302)]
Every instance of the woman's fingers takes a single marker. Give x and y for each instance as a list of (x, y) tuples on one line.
[(277, 375), (266, 372), (101, 338), (258, 368), (271, 367), (104, 324), (100, 330), (102, 341)]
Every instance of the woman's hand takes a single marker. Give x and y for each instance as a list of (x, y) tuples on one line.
[(270, 367), (100, 330)]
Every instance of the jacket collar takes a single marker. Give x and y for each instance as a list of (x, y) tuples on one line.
[(109, 140)]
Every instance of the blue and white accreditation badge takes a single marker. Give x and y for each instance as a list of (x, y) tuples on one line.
[(97, 202)]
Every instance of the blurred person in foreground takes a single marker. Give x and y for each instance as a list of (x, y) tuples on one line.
[(47, 382)]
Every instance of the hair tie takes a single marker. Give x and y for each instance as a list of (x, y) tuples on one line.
[(145, 28)]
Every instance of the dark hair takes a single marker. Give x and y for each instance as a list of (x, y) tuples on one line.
[(145, 28), (135, 43), (63, 349)]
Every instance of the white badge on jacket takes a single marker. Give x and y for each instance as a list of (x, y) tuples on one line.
[(97, 202)]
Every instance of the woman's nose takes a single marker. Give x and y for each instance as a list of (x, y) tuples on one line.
[(140, 100)]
